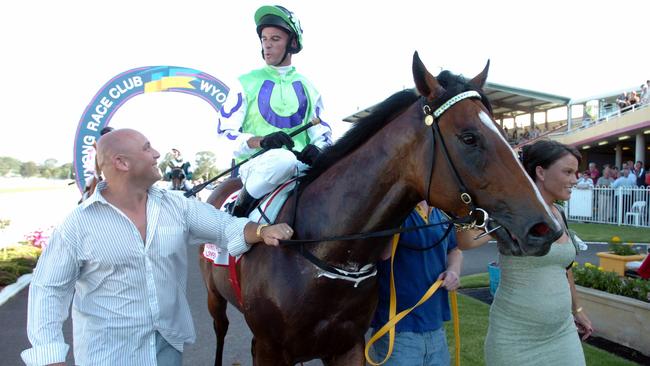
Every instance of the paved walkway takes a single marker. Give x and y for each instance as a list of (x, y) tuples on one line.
[(13, 317)]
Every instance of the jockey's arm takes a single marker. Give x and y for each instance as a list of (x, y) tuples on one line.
[(320, 135), (230, 121)]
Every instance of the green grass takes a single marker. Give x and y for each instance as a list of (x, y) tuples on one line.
[(473, 328), (604, 232), (475, 280)]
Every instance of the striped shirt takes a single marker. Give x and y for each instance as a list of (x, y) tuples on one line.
[(122, 289)]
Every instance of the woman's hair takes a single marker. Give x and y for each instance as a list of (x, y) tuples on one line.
[(544, 153)]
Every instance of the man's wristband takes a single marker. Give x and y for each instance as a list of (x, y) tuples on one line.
[(259, 230)]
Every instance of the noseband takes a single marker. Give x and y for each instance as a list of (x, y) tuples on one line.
[(432, 118)]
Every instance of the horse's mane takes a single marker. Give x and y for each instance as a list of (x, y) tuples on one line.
[(368, 126), (365, 128)]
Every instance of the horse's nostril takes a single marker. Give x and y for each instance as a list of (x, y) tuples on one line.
[(540, 229)]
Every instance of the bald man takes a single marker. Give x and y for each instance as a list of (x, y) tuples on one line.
[(120, 257)]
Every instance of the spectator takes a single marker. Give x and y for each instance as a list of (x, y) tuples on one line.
[(633, 98), (593, 172), (585, 181), (606, 179), (639, 173), (622, 101), (645, 92), (621, 185), (604, 198), (631, 176)]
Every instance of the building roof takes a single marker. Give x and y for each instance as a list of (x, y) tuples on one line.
[(507, 101)]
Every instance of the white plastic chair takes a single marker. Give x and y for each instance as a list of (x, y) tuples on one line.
[(637, 213)]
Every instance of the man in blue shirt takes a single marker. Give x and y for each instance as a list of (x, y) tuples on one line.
[(419, 337)]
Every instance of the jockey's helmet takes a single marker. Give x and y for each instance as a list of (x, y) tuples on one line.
[(279, 16)]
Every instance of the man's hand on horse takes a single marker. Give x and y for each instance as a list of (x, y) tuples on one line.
[(276, 140), (309, 154), (272, 234)]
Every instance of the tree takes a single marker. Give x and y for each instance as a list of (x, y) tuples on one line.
[(64, 171), (9, 165), (28, 169), (205, 165), (165, 163)]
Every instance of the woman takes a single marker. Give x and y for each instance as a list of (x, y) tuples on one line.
[(535, 312)]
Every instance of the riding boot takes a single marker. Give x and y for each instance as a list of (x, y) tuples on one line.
[(244, 204)]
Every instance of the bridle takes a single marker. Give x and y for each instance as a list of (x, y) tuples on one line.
[(432, 118)]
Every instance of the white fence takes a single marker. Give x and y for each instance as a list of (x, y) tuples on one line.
[(621, 206)]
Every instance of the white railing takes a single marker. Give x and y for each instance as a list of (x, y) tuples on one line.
[(616, 113), (621, 206)]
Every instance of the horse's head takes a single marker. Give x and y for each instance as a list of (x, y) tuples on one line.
[(177, 176), (472, 156)]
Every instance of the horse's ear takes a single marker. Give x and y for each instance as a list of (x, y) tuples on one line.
[(479, 80), (426, 84)]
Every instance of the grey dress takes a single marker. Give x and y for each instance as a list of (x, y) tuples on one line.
[(530, 318)]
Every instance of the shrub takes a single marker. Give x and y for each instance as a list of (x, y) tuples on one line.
[(619, 248), (596, 278)]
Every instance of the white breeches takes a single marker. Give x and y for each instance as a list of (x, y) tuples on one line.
[(262, 174)]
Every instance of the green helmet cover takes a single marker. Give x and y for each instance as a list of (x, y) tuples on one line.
[(292, 25)]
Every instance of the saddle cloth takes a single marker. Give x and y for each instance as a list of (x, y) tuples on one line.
[(269, 205)]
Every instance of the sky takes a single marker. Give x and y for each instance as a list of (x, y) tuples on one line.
[(57, 55)]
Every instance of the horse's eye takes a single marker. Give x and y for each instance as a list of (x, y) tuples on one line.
[(468, 138)]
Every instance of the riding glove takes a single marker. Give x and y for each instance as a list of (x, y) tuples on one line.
[(276, 140), (309, 154)]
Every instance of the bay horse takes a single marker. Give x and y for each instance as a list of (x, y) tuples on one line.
[(177, 178), (440, 144)]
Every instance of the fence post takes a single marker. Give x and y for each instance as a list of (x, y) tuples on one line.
[(619, 209)]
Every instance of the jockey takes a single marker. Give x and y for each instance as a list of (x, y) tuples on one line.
[(177, 162), (269, 103)]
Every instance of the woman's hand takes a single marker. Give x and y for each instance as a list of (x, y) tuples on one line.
[(583, 324)]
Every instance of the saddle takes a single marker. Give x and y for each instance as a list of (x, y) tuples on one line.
[(265, 211)]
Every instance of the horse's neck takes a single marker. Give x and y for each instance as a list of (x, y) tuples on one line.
[(373, 188)]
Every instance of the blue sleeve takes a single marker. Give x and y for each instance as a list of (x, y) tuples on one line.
[(451, 241)]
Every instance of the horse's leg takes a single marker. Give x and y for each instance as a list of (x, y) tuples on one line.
[(353, 357), (218, 305), (267, 354)]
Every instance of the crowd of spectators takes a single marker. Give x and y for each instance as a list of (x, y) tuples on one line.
[(620, 180), (634, 97), (630, 174)]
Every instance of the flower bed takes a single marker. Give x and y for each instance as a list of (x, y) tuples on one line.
[(19, 259), (618, 306), (597, 278), (16, 261)]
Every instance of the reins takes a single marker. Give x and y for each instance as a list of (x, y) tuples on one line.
[(378, 234)]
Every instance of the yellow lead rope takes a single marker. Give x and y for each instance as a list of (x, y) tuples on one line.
[(393, 318)]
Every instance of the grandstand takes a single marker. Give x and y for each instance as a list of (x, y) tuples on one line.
[(604, 133)]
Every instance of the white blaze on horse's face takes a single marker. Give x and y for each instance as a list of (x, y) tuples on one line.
[(487, 121)]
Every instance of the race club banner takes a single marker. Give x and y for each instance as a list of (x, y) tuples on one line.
[(127, 85)]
